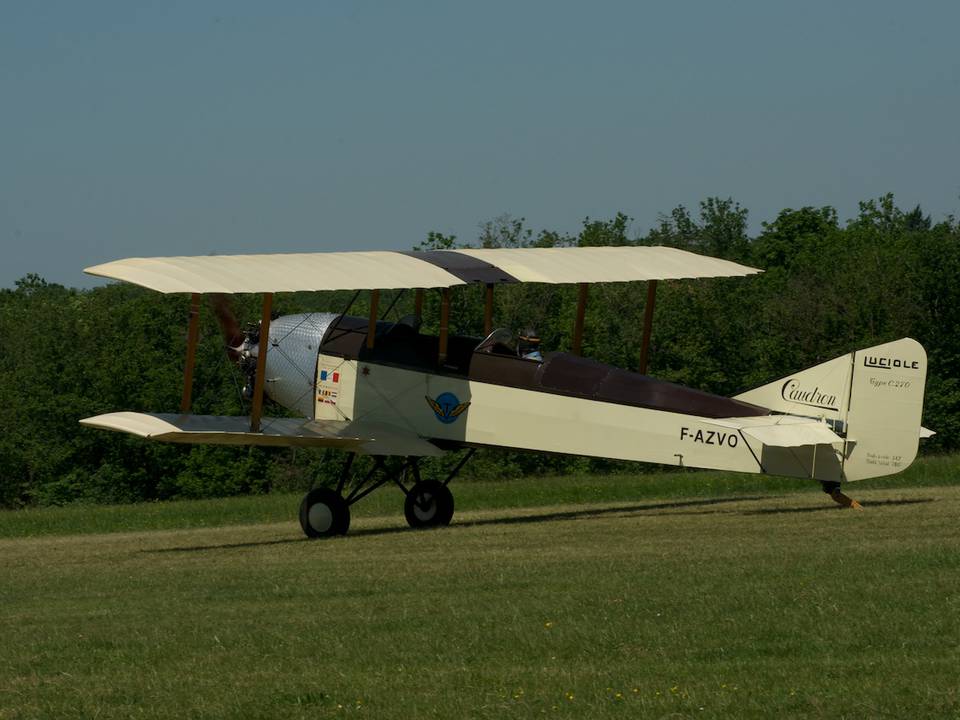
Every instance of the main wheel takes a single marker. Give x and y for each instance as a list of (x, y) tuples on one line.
[(429, 503), (323, 513)]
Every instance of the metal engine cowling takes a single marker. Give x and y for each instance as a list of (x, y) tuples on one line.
[(291, 368)]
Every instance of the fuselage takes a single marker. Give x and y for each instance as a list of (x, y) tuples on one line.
[(485, 395)]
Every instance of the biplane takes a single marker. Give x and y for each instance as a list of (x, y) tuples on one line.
[(388, 390)]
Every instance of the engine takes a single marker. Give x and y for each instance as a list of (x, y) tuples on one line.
[(291, 368)]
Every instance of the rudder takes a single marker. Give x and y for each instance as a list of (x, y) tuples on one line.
[(884, 409)]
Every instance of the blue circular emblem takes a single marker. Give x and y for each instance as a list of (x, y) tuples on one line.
[(447, 407)]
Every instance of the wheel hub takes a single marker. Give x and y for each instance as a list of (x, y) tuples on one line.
[(425, 508), (320, 517)]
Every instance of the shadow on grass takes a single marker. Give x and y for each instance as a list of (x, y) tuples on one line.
[(867, 504), (645, 509), (227, 546), (517, 520), (620, 510)]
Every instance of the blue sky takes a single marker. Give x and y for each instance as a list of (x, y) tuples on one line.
[(196, 127)]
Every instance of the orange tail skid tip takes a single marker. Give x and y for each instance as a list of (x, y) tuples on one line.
[(845, 501)]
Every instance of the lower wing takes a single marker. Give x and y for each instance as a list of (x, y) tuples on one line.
[(365, 438)]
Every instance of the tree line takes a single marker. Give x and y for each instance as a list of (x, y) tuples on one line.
[(828, 287)]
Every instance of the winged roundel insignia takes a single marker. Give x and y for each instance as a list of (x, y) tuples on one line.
[(447, 407)]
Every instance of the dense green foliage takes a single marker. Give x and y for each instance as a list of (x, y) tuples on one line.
[(828, 288)]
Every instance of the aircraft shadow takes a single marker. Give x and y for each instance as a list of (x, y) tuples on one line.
[(226, 546), (867, 504), (600, 512), (520, 520), (644, 509)]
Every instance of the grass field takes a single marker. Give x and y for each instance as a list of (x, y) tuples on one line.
[(690, 594)]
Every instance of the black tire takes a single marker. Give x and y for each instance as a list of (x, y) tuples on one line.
[(323, 513), (429, 504)]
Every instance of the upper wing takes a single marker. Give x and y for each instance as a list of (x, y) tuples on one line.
[(606, 264), (438, 268), (367, 439)]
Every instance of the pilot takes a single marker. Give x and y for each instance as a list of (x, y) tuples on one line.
[(529, 346)]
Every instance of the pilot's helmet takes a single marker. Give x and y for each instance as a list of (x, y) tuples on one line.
[(529, 340)]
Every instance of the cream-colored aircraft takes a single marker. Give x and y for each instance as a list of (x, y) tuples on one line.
[(384, 389)]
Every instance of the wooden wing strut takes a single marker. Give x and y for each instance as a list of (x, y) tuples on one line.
[(372, 322), (418, 303), (444, 324), (578, 323), (193, 334), (647, 324), (488, 311), (257, 409)]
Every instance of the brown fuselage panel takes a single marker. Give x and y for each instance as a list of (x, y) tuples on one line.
[(559, 373)]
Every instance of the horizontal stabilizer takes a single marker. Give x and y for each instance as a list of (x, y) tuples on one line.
[(926, 432), (782, 430), (276, 432)]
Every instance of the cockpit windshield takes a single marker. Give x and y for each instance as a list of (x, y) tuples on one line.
[(500, 342), (505, 342)]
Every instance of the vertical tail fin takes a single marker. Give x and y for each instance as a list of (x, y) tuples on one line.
[(822, 391), (872, 397)]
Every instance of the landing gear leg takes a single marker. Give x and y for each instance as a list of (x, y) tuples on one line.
[(833, 490), (325, 512)]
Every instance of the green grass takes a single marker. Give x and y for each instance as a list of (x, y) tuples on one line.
[(678, 595), (280, 507)]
